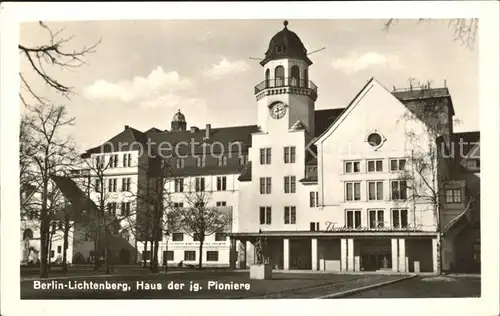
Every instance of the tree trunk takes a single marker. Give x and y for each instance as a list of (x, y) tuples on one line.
[(200, 259), (155, 255), (44, 232), (65, 246), (144, 254), (165, 258), (106, 252), (96, 252)]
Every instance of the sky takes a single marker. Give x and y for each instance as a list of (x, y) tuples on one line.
[(144, 71)]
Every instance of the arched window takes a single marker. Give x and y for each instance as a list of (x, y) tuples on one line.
[(306, 79), (279, 76), (295, 75), (27, 234), (267, 78)]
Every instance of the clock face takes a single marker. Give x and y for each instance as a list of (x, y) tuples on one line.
[(277, 110)]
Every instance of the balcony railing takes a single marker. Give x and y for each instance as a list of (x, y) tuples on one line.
[(286, 82)]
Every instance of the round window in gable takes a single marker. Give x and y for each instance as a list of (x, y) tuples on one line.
[(375, 140)]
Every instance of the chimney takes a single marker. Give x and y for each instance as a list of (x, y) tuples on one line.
[(194, 129), (208, 131), (126, 127)]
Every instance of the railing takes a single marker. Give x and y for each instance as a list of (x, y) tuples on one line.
[(285, 82)]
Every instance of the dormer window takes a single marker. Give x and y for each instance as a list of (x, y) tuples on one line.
[(280, 49)]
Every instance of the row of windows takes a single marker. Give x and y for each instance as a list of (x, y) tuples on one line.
[(112, 184), (201, 161), (374, 165), (200, 184), (289, 184), (113, 161), (123, 211), (181, 204), (289, 215), (288, 155), (399, 218), (189, 255), (375, 190), (196, 237)]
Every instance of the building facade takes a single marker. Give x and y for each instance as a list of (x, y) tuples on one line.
[(361, 192), (368, 187)]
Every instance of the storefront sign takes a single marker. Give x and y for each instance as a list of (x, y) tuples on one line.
[(334, 227)]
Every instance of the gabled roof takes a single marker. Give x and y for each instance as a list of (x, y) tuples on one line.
[(345, 110), (78, 199), (125, 140)]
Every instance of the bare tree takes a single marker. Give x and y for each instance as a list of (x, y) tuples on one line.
[(46, 153), (104, 222), (199, 220), (463, 30), (427, 170), (55, 53)]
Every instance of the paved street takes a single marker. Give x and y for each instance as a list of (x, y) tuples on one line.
[(202, 284), (433, 287)]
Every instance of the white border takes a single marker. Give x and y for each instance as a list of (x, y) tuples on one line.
[(487, 11)]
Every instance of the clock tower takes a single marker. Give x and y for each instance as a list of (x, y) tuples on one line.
[(286, 95)]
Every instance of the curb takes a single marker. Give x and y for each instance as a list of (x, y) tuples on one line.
[(95, 276), (368, 287)]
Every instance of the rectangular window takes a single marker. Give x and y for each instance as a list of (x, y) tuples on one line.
[(399, 218), (168, 255), (220, 236), (353, 219), (201, 161), (352, 167), (59, 249), (178, 205), (125, 209), (265, 156), (99, 162), (98, 185), (289, 184), (374, 166), (265, 185), (179, 185), (52, 253), (313, 199), (290, 215), (221, 183), (314, 226), (221, 203), (179, 163), (112, 185), (112, 208), (265, 215), (127, 159), (453, 196), (398, 164), (126, 184), (399, 190), (289, 154), (375, 190), (212, 255), (376, 219), (353, 191), (243, 159), (196, 237), (177, 237), (189, 255), (200, 184)]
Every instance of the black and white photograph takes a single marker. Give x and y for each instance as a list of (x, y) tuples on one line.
[(269, 158)]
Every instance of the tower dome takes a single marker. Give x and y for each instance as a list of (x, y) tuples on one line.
[(178, 122), (286, 44)]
